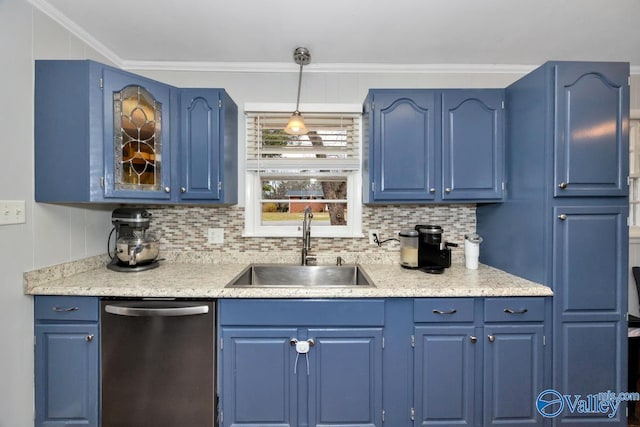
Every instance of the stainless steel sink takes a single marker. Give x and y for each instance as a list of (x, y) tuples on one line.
[(298, 276)]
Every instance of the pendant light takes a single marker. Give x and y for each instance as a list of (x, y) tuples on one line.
[(296, 125)]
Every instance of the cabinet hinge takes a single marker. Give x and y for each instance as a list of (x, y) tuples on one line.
[(628, 180), (221, 417), (101, 83), (219, 185), (412, 414), (413, 341), (504, 186), (383, 415), (373, 186), (373, 106), (502, 105), (383, 343), (221, 344), (544, 340), (628, 222), (219, 103), (102, 182)]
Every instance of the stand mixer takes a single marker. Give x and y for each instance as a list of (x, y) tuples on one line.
[(136, 249)]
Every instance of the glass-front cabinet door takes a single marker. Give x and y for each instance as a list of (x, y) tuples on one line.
[(136, 131)]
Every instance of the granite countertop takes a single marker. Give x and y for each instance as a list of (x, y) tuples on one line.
[(207, 280)]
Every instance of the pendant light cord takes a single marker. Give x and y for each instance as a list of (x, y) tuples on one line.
[(299, 86)]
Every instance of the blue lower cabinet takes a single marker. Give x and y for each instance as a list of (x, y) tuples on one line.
[(444, 378), (513, 374), (300, 363), (260, 385), (67, 375), (345, 377)]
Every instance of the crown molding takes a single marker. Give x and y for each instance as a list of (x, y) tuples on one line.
[(277, 67), (366, 68), (53, 13)]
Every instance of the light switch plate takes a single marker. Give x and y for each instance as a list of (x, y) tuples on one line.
[(12, 212), (215, 236)]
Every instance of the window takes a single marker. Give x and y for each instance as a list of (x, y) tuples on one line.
[(634, 175), (287, 173)]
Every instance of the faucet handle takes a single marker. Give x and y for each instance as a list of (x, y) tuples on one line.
[(310, 259), (339, 261)]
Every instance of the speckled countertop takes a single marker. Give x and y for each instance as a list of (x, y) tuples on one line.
[(208, 280)]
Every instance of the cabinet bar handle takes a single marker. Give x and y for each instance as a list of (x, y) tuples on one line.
[(452, 311), (156, 312), (65, 310), (509, 311)]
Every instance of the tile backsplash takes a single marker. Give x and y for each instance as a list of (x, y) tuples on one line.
[(184, 229)]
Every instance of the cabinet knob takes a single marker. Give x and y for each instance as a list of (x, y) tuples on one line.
[(473, 339), (88, 338), (432, 190), (491, 338), (562, 217), (562, 185), (167, 189), (447, 190), (183, 190)]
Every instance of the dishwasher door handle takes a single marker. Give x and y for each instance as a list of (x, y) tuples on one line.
[(156, 312)]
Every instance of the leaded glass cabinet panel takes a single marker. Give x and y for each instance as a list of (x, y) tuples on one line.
[(136, 140)]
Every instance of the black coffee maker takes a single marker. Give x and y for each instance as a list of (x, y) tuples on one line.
[(434, 255)]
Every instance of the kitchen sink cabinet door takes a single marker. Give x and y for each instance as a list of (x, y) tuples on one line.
[(208, 146), (513, 374), (472, 144), (400, 155), (345, 377), (591, 129), (445, 375), (259, 377)]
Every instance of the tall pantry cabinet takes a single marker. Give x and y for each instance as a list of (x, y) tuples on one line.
[(563, 221)]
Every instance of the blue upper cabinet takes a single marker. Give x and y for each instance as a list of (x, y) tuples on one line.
[(137, 137), (106, 135), (402, 150), (472, 144), (208, 146), (591, 129), (424, 145)]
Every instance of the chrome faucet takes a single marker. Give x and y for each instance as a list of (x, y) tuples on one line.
[(307, 257)]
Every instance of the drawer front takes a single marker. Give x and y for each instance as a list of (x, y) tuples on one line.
[(514, 309), (66, 308), (443, 310), (277, 312)]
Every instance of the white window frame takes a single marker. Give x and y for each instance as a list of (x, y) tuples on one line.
[(634, 229), (253, 186)]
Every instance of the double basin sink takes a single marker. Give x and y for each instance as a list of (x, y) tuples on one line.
[(299, 276)]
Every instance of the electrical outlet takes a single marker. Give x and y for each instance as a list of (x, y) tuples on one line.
[(215, 236), (372, 239), (12, 212)]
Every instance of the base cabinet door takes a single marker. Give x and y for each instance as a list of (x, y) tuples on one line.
[(66, 375), (345, 377), (259, 382), (513, 374), (444, 377)]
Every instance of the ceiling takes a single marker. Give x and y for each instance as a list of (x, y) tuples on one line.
[(353, 35)]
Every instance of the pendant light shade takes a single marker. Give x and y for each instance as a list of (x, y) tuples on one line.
[(296, 124)]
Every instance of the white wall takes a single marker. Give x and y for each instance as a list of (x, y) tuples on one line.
[(52, 234)]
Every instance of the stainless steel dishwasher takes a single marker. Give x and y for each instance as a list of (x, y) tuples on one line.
[(158, 363)]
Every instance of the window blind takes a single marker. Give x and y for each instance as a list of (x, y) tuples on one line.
[(331, 144)]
